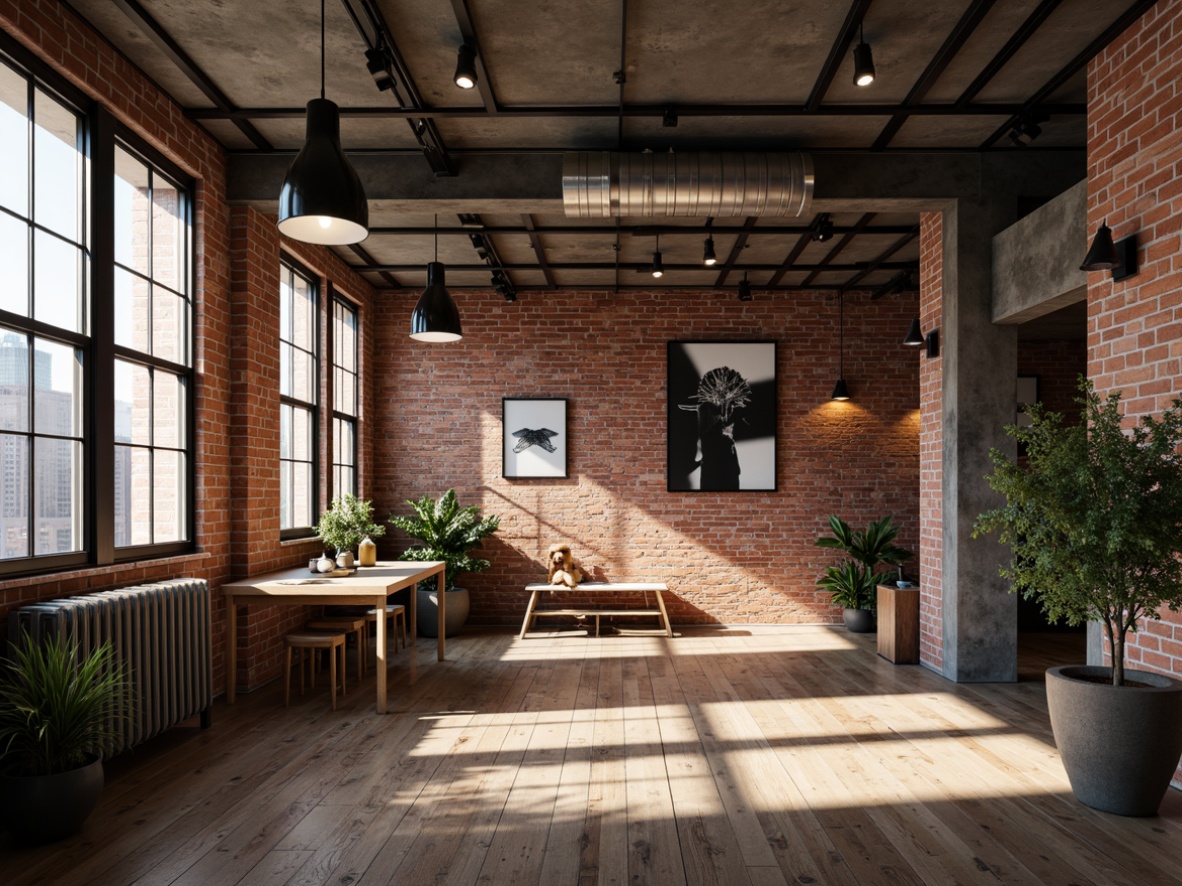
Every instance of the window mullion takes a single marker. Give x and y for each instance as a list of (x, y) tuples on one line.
[(100, 392)]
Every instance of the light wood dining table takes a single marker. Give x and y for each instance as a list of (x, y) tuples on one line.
[(367, 586)]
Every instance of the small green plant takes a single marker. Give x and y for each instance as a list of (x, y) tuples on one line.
[(348, 520), (447, 532), (1093, 515), (852, 582), (57, 711)]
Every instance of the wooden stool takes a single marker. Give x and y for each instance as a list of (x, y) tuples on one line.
[(309, 641), (350, 625), (394, 611)]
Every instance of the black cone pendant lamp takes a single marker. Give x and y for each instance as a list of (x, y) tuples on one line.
[(1102, 256), (322, 200), (840, 391), (436, 317)]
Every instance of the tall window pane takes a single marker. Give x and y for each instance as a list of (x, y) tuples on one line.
[(298, 384), (344, 397)]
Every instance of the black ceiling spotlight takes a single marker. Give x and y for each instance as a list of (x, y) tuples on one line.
[(840, 391), (1119, 257), (465, 77), (863, 61), (915, 338), (669, 118), (1027, 129), (708, 257), (822, 228), (744, 289), (436, 317), (322, 200), (379, 68), (503, 287), (658, 266)]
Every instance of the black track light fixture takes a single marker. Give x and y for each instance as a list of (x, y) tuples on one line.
[(669, 118), (822, 228), (322, 200), (709, 259), (378, 66), (1027, 129), (465, 76), (840, 390), (744, 288), (436, 317), (658, 266), (863, 61)]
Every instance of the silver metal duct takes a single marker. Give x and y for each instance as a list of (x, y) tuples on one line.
[(606, 184)]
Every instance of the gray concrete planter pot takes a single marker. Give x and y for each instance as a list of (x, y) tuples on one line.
[(454, 618), (43, 808), (1119, 744), (858, 621)]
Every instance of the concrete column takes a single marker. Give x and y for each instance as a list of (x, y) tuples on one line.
[(979, 377)]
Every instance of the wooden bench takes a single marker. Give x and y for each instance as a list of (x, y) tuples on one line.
[(532, 612)]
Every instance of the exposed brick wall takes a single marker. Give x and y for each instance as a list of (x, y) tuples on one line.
[(728, 557), (931, 445), (1058, 366), (1135, 325)]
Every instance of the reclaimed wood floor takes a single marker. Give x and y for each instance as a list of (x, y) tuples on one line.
[(759, 756)]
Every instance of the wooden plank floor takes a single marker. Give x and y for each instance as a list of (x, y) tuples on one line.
[(747, 756)]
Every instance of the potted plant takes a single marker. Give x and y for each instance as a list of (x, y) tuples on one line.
[(346, 523), (448, 533), (852, 582), (56, 715), (1093, 513)]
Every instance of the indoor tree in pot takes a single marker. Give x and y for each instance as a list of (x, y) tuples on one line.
[(1094, 517), (852, 582), (347, 521), (56, 715), (448, 533)]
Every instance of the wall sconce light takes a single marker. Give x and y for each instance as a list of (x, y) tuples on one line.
[(915, 338), (1104, 255)]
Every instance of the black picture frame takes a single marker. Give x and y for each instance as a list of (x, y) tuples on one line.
[(534, 438), (727, 388)]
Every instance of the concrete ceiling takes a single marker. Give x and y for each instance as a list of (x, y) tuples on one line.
[(952, 76)]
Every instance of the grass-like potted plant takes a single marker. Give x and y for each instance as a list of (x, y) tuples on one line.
[(852, 582), (1093, 514), (57, 710), (346, 523), (449, 533)]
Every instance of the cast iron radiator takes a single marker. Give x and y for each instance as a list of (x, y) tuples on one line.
[(161, 634)]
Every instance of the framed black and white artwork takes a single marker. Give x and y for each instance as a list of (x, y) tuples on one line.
[(721, 433), (534, 437)]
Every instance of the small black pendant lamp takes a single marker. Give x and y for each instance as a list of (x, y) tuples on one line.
[(322, 200), (436, 317), (1103, 255), (840, 391)]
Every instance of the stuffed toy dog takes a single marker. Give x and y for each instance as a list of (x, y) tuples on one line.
[(562, 566)]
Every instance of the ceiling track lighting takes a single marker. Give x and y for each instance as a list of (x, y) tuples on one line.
[(1027, 129), (658, 268), (436, 317), (322, 200), (1120, 257), (669, 118), (465, 76), (708, 257), (915, 338), (744, 289), (378, 65), (822, 228), (863, 61), (840, 390)]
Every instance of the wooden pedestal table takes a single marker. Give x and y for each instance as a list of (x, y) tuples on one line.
[(596, 587), (898, 624), (368, 586)]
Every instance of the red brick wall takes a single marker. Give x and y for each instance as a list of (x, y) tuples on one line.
[(931, 445), (728, 557), (1058, 366), (1135, 325)]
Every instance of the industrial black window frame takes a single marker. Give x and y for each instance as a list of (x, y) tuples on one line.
[(288, 264), (342, 416)]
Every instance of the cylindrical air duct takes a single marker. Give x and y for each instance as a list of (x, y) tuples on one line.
[(605, 184)]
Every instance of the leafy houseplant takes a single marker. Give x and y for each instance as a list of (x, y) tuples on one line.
[(1094, 520), (852, 582), (449, 533), (56, 716), (347, 521)]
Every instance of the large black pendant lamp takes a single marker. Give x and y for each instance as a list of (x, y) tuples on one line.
[(322, 200), (840, 391), (436, 317)]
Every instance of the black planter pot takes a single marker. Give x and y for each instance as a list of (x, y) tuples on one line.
[(1119, 744), (858, 621), (43, 808), (454, 618)]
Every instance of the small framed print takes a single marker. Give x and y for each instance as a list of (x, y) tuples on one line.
[(534, 437)]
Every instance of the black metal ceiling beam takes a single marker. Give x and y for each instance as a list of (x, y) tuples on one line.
[(793, 254), (374, 30), (1017, 41), (736, 249), (163, 41), (837, 52), (826, 263), (536, 242), (643, 266), (881, 260), (960, 34), (648, 286), (468, 31), (640, 231), (1110, 33), (579, 111), (371, 265)]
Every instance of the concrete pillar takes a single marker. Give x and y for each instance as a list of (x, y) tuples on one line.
[(979, 378)]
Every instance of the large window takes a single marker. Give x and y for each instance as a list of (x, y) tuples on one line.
[(299, 374), (95, 306), (344, 398)]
